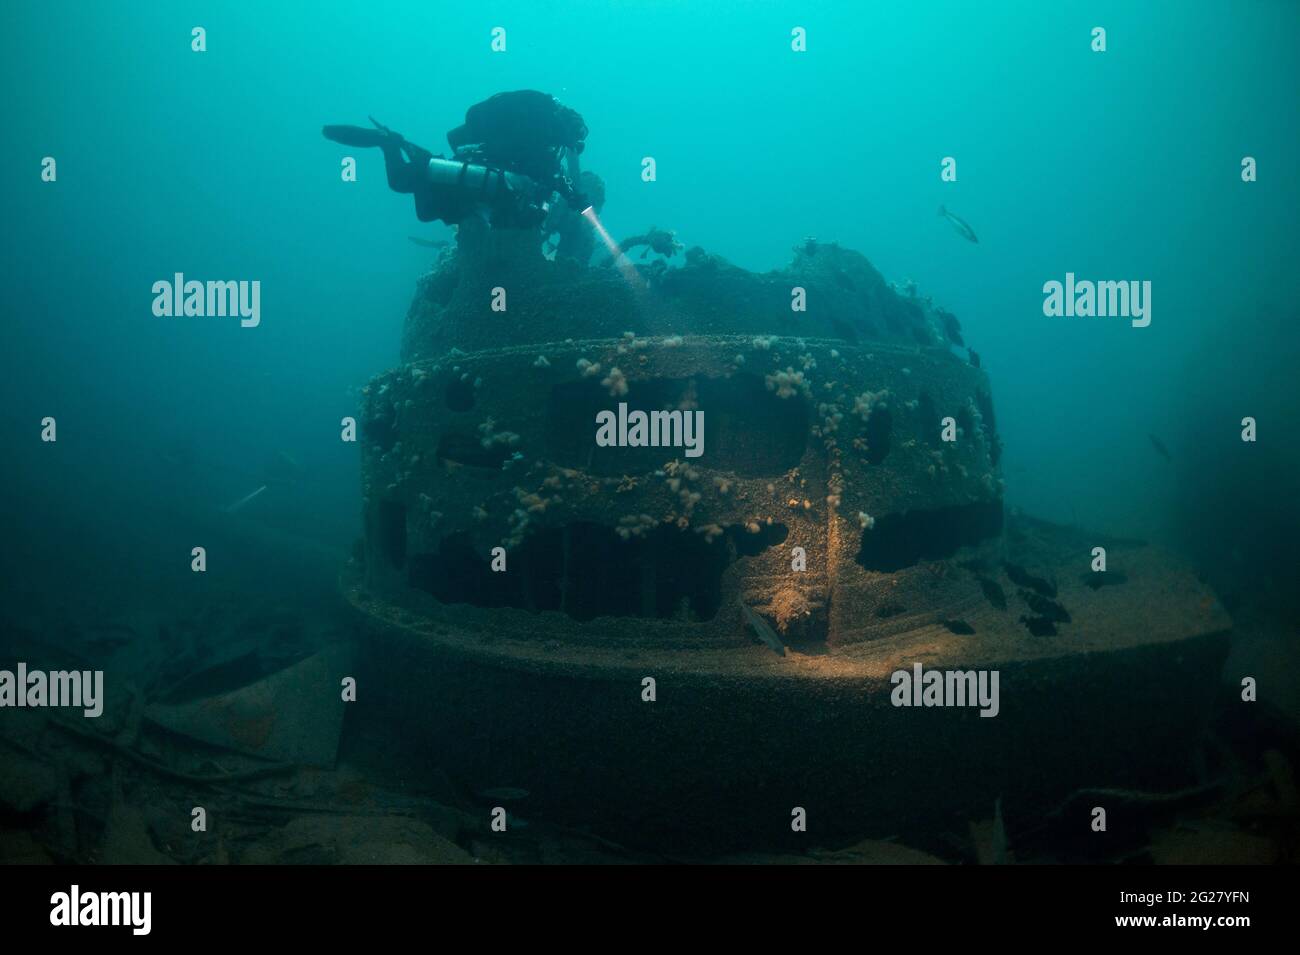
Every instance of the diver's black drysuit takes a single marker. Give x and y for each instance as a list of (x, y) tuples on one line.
[(524, 132)]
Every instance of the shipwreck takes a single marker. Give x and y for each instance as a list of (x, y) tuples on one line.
[(684, 650)]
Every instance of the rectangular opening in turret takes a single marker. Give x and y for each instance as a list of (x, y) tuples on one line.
[(749, 429), (896, 541), (587, 570)]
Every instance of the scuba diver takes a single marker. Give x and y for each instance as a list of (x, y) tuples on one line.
[(512, 155)]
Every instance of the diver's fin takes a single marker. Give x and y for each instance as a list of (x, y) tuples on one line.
[(356, 135)]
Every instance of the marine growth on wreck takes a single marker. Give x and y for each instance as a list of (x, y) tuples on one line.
[(588, 484), (654, 528), (844, 442)]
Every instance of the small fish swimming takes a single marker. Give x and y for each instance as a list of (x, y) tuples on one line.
[(764, 632), (958, 223), (1160, 447), (234, 508)]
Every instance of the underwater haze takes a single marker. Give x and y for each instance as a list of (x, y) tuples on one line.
[(1117, 165)]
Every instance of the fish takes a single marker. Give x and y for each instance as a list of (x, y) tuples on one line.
[(993, 593), (244, 500), (763, 630), (958, 223), (430, 243), (1039, 626), (1160, 447), (1024, 578), (1045, 607)]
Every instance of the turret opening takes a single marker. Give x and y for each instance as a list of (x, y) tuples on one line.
[(897, 541), (748, 428), (587, 570)]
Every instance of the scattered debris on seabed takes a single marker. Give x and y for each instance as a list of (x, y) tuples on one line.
[(196, 732)]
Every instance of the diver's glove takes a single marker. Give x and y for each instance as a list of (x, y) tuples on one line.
[(575, 199)]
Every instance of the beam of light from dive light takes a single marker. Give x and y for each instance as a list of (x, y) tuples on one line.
[(614, 250), (629, 272)]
